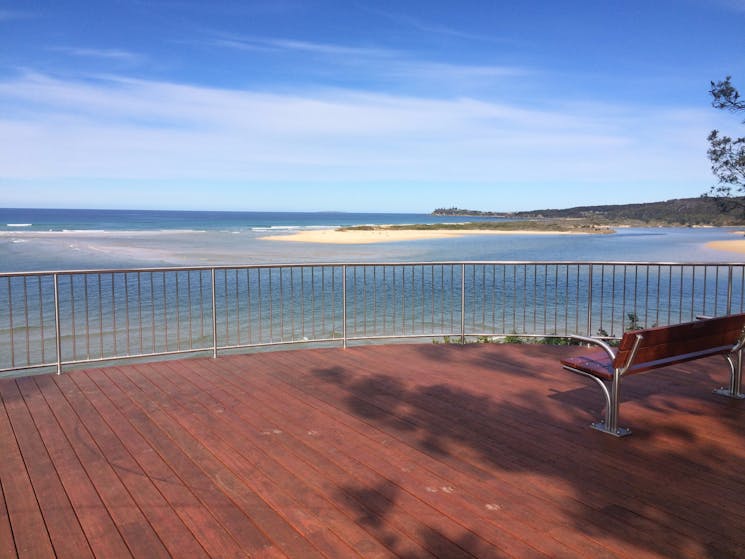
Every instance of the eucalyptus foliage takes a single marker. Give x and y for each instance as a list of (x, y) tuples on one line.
[(727, 154)]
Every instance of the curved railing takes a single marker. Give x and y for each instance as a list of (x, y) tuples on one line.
[(54, 319)]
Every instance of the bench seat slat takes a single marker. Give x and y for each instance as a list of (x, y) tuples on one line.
[(595, 362), (598, 363)]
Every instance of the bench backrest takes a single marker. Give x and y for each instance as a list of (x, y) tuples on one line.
[(665, 342)]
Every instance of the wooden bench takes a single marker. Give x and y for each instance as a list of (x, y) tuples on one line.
[(652, 348)]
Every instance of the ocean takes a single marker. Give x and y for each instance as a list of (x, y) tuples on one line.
[(65, 239)]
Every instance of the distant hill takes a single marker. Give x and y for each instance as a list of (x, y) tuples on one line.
[(680, 211)]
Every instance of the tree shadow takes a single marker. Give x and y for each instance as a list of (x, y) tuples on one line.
[(667, 490)]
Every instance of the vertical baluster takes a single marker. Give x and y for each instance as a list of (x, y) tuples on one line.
[(11, 323), (41, 321), (237, 310), (333, 302), (504, 298), (249, 306), (152, 309), (126, 310), (226, 305), (344, 304), (423, 322), (556, 299), (139, 309), (165, 310), (354, 299), (58, 334), (191, 310), (669, 293), (535, 296), (375, 300), (403, 300), (646, 297), (463, 303), (659, 279), (693, 294), (302, 302), (413, 297), (113, 313), (293, 305), (72, 319), (313, 301), (566, 298), (87, 318), (26, 328), (493, 298), (613, 302), (201, 304), (323, 300), (514, 298), (214, 312)]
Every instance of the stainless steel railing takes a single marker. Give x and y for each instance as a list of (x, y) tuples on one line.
[(53, 319)]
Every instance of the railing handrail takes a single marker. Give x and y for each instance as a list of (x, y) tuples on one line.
[(364, 264)]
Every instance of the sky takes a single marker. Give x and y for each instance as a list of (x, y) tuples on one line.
[(372, 106)]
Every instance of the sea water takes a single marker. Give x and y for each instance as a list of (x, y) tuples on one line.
[(63, 239)]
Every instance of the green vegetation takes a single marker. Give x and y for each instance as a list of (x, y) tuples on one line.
[(558, 226), (510, 339), (677, 212), (727, 155)]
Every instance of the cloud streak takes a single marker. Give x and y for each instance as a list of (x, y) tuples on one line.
[(128, 129), (376, 65), (106, 54)]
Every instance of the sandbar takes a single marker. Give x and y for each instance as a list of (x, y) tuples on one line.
[(363, 237), (737, 246)]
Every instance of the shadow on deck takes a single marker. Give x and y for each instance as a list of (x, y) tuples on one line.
[(405, 451)]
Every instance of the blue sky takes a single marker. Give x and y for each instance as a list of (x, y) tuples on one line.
[(361, 106)]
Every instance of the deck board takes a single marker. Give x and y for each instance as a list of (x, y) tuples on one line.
[(412, 451)]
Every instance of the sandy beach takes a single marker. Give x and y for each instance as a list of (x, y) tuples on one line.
[(737, 246), (360, 237), (734, 245)]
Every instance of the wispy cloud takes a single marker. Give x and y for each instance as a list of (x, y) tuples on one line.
[(376, 64), (425, 26), (290, 45), (107, 54), (12, 15), (149, 130)]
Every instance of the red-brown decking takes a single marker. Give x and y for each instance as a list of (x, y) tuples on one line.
[(408, 451)]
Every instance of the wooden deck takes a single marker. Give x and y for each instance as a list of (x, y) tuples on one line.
[(407, 451)]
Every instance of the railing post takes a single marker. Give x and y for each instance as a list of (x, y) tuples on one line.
[(729, 290), (57, 334), (344, 305), (462, 304), (214, 316), (589, 301)]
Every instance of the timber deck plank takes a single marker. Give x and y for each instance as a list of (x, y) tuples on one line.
[(410, 451)]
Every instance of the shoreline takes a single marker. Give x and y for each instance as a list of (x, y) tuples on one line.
[(372, 236)]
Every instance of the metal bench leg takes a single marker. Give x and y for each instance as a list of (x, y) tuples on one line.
[(612, 401), (612, 405), (735, 378)]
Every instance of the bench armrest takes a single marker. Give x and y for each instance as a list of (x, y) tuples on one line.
[(740, 343), (598, 342)]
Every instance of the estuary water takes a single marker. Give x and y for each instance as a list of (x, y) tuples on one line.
[(63, 239)]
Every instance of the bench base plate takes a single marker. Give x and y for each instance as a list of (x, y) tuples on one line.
[(726, 392), (619, 432)]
